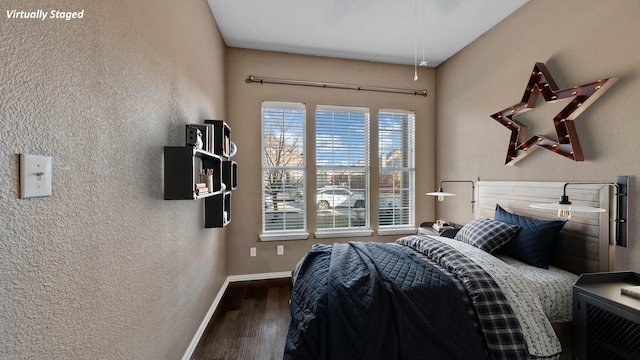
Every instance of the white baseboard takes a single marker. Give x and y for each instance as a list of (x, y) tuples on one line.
[(233, 278), (262, 276), (203, 326)]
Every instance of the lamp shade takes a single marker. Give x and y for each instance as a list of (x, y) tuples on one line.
[(564, 210), (555, 206), (440, 194)]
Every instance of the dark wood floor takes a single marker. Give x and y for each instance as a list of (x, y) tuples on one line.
[(251, 322)]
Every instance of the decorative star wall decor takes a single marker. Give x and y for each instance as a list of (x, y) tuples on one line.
[(567, 143)]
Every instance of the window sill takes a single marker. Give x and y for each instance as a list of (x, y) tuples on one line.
[(343, 233), (284, 236), (397, 231)]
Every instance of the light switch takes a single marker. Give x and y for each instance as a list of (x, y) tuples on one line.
[(35, 175)]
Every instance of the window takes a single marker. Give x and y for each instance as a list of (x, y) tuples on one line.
[(396, 179), (342, 197), (342, 169), (283, 170)]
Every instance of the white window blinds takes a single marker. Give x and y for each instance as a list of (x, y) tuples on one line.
[(283, 168), (396, 148), (342, 168)]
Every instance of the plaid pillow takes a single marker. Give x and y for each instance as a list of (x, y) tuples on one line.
[(486, 234)]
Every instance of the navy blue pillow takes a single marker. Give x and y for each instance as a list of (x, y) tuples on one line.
[(534, 242)]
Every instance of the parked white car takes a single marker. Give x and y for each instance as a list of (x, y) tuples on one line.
[(338, 197)]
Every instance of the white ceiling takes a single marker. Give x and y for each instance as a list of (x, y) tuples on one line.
[(388, 31)]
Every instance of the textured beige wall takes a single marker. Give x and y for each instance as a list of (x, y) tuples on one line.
[(243, 109), (105, 268), (580, 41)]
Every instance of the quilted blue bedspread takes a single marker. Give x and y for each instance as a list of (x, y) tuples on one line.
[(377, 301)]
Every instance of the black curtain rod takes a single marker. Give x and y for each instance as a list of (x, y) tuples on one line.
[(261, 80)]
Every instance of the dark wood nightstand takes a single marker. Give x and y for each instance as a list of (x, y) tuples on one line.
[(606, 322), (426, 228)]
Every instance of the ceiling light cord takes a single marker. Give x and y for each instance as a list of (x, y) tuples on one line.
[(415, 45), (422, 31), (424, 62)]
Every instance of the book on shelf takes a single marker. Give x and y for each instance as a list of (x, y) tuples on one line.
[(633, 291), (202, 191)]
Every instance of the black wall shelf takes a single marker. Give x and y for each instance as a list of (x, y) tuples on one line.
[(221, 137), (183, 166), (230, 174), (218, 210)]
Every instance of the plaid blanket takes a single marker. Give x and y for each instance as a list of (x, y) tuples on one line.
[(498, 323)]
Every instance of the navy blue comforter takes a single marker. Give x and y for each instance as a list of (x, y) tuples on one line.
[(377, 301)]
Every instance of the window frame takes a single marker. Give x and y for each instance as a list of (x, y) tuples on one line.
[(408, 172), (351, 231), (311, 172), (293, 234)]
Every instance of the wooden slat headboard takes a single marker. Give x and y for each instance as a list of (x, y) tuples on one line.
[(583, 244)]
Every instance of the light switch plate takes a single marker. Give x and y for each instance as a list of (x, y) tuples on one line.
[(35, 175)]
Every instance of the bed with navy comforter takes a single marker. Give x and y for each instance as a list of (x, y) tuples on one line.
[(421, 297)]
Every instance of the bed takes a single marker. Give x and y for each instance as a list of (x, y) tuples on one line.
[(478, 296)]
